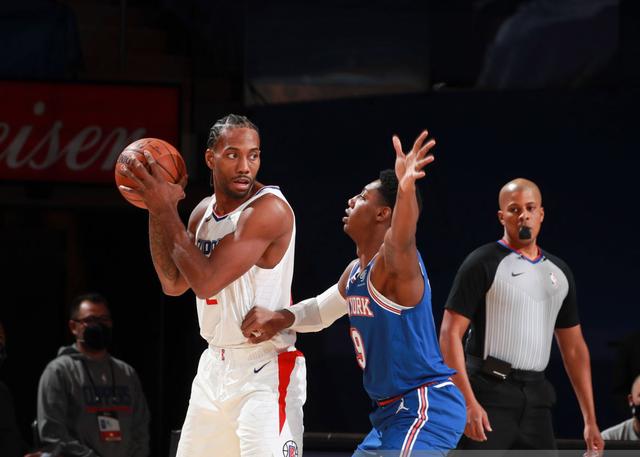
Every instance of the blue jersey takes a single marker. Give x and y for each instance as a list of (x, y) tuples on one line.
[(396, 346)]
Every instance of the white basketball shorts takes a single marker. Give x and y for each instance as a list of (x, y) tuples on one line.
[(246, 402)]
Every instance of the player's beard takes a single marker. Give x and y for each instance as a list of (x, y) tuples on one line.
[(239, 195)]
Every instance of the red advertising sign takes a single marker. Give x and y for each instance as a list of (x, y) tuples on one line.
[(75, 132)]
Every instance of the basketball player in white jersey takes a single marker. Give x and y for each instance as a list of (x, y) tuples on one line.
[(237, 251)]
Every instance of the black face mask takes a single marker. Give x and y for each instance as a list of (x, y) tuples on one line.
[(635, 411), (97, 336), (3, 354), (524, 233)]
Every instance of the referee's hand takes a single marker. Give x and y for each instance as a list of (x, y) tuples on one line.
[(593, 439), (477, 422)]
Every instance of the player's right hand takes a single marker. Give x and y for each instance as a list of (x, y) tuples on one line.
[(477, 422), (156, 192), (409, 166), (261, 324)]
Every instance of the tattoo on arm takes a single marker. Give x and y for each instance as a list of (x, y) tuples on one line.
[(159, 253)]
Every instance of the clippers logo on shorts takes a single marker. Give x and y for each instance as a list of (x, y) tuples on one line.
[(290, 449), (359, 306), (206, 246)]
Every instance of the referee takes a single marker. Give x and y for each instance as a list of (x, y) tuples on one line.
[(513, 297)]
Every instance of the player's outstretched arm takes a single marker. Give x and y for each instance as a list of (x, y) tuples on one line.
[(409, 167), (398, 276), (310, 315)]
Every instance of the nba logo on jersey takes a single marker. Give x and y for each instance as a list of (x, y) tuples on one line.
[(290, 449)]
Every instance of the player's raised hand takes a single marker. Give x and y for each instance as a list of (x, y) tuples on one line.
[(410, 166), (156, 192)]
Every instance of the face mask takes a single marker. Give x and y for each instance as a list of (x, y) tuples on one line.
[(3, 354), (97, 336), (635, 411), (524, 233)]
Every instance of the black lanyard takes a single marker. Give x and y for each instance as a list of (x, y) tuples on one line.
[(114, 398)]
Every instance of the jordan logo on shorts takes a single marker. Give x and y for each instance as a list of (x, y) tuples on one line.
[(401, 406)]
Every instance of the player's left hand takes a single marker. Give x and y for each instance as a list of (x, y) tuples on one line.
[(261, 324), (595, 443), (410, 166), (151, 187)]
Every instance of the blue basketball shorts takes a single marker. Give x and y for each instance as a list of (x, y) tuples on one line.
[(427, 421)]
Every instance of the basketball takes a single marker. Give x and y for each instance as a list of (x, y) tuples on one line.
[(168, 158)]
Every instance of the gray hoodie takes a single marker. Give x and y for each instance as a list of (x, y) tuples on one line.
[(74, 390)]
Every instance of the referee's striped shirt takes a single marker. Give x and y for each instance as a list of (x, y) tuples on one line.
[(514, 304)]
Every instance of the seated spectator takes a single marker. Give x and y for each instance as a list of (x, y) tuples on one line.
[(625, 370), (629, 429), (89, 403)]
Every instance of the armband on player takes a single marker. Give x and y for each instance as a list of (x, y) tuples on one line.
[(317, 313)]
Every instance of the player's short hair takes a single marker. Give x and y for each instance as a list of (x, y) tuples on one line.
[(230, 121), (92, 297), (389, 189)]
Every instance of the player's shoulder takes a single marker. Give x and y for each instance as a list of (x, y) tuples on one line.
[(267, 215), (200, 208), (268, 201), (268, 196), (344, 277), (350, 266)]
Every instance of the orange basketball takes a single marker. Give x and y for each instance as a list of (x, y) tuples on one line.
[(168, 157)]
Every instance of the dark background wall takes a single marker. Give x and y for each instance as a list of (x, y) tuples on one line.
[(578, 142), (574, 146), (578, 147)]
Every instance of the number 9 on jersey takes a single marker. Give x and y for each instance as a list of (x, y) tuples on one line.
[(358, 344)]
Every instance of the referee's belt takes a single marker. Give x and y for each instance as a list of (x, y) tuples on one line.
[(476, 365)]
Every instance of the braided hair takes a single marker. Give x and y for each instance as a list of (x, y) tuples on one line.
[(230, 121)]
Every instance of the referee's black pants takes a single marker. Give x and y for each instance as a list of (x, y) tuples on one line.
[(519, 412)]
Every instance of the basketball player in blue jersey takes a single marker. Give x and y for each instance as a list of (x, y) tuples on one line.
[(386, 292)]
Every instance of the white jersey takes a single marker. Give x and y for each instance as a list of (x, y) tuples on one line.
[(221, 316)]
